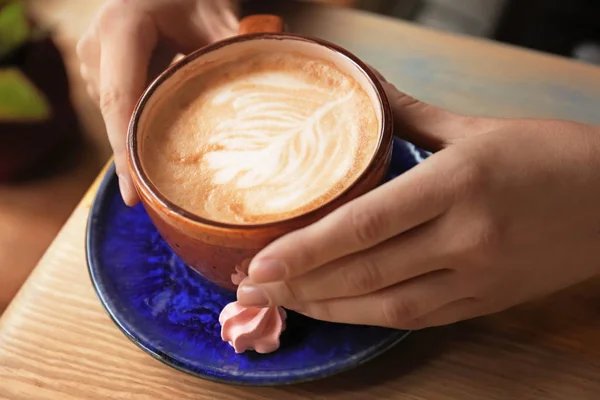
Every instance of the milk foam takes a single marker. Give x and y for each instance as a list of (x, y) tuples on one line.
[(262, 138)]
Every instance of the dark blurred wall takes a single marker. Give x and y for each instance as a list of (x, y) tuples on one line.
[(565, 27), (555, 26)]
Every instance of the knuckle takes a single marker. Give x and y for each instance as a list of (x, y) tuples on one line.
[(294, 293), (367, 226), (109, 99), (489, 238), (399, 312), (481, 243), (363, 277), (306, 254), (486, 237), (471, 177)]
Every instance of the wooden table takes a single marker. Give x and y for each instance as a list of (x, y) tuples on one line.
[(56, 342)]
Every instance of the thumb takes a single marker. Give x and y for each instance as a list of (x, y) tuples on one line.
[(425, 125), (126, 49), (430, 127)]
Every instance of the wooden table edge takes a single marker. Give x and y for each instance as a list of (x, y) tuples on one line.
[(85, 203)]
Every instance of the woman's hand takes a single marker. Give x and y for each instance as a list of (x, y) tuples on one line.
[(506, 211), (132, 41)]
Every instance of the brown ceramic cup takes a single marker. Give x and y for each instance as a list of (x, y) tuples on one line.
[(212, 248)]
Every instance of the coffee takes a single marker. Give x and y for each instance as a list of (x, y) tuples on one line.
[(262, 138)]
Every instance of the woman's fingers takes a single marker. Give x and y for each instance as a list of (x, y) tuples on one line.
[(414, 198), (119, 52), (397, 260), (398, 306), (127, 41), (408, 201)]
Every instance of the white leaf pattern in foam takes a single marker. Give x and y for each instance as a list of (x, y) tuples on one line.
[(276, 139)]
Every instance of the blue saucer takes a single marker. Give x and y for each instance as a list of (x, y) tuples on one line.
[(171, 312)]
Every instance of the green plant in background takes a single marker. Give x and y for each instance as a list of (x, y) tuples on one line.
[(20, 100)]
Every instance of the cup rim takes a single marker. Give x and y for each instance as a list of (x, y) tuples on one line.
[(144, 181)]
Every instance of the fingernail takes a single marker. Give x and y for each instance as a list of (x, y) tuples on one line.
[(266, 271), (251, 295)]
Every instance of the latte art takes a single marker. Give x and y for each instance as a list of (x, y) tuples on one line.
[(286, 157), (262, 139)]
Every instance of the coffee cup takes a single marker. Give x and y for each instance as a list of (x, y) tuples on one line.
[(255, 136)]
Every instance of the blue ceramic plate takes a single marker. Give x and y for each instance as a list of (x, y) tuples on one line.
[(171, 312)]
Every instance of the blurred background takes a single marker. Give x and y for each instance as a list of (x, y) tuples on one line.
[(567, 28), (52, 140)]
